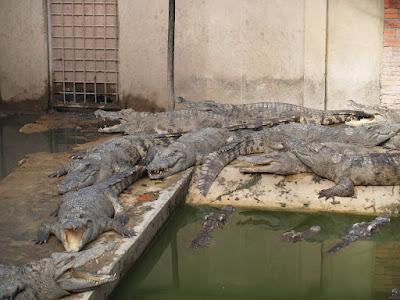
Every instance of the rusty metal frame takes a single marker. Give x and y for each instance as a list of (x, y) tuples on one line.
[(95, 83)]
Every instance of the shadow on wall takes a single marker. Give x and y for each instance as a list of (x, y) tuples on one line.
[(140, 103)]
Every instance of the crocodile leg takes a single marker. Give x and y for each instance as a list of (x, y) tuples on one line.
[(118, 227), (45, 230), (60, 172), (280, 163), (119, 214), (344, 188)]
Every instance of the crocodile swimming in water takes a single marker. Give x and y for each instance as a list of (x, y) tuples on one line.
[(84, 214), (117, 155), (294, 236), (270, 138), (54, 277), (241, 117), (211, 222), (359, 231)]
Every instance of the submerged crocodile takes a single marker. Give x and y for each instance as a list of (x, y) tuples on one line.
[(269, 138), (395, 294), (53, 277), (347, 169), (240, 117), (294, 237), (189, 150), (211, 222), (359, 231), (117, 155), (83, 215)]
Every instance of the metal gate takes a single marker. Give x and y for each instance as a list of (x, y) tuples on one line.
[(83, 44)]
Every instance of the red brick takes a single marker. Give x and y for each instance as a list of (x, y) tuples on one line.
[(392, 3), (389, 33), (391, 42), (392, 23), (391, 13)]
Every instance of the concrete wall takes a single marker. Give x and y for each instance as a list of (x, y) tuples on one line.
[(143, 53), (23, 54), (240, 51), (354, 52)]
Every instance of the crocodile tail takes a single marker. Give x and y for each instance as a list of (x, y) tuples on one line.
[(340, 245), (120, 181), (216, 161)]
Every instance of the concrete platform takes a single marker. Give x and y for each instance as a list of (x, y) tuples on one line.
[(296, 192), (28, 197)]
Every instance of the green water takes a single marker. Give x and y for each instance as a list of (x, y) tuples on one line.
[(248, 260)]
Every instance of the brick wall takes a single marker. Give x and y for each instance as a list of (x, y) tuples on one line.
[(390, 75)]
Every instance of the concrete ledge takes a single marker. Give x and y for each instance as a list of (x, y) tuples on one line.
[(296, 192), (155, 215)]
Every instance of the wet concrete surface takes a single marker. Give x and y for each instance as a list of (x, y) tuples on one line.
[(27, 195), (14, 144)]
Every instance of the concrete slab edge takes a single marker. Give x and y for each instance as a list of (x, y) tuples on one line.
[(129, 250)]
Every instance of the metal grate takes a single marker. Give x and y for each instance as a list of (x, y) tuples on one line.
[(84, 52)]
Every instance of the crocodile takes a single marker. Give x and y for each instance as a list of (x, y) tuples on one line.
[(395, 294), (53, 277), (248, 116), (266, 110), (211, 222), (270, 138), (84, 214), (347, 169), (189, 150), (359, 231), (117, 155), (388, 115), (294, 237)]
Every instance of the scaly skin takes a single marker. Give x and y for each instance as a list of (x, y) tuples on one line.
[(189, 150), (117, 155), (211, 222), (359, 231), (53, 277), (222, 116), (294, 237), (258, 142), (267, 110), (347, 169), (83, 215)]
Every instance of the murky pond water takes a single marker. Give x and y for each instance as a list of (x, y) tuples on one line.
[(248, 260), (15, 145)]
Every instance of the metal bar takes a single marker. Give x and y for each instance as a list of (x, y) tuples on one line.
[(105, 53), (84, 51), (117, 52), (170, 67), (94, 30), (73, 45), (49, 52), (63, 51)]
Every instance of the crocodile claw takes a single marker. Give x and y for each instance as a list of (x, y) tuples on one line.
[(327, 194), (122, 218)]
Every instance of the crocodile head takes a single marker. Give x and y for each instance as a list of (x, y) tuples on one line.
[(379, 132), (54, 277), (82, 174), (169, 161), (77, 231), (125, 118)]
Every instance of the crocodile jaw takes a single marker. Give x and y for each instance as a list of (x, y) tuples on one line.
[(78, 281), (74, 239)]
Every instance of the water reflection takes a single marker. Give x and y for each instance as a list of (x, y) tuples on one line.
[(249, 261), (15, 145)]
